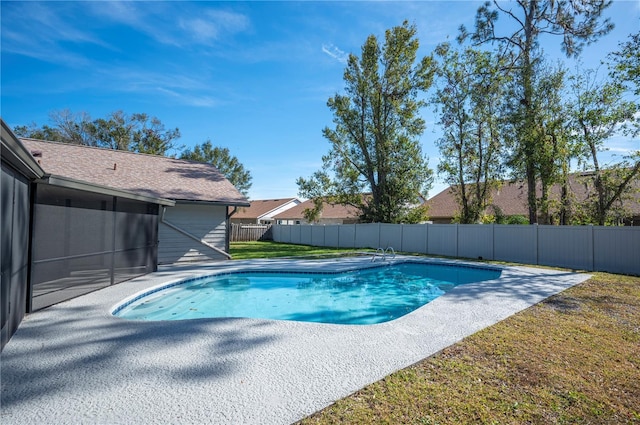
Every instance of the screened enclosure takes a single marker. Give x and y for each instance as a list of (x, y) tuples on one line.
[(14, 250), (84, 241)]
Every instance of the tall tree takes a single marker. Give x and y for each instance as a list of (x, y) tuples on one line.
[(374, 145), (577, 22), (222, 159), (468, 96), (67, 128), (136, 132), (553, 152), (600, 111), (624, 63)]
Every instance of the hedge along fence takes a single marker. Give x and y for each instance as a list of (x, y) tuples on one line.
[(592, 248)]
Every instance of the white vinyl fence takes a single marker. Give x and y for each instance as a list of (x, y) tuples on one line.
[(592, 248)]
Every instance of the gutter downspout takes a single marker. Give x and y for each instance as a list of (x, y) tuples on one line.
[(191, 236), (229, 214)]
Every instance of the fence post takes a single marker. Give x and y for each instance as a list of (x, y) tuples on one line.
[(426, 239), (535, 241), (493, 241), (591, 249), (355, 234), (457, 240)]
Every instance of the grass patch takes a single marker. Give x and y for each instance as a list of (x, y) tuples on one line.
[(572, 359), (266, 249)]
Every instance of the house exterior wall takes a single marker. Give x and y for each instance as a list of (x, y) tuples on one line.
[(243, 220), (207, 222), (321, 221)]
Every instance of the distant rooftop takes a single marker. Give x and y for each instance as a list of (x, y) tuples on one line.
[(261, 207), (329, 211), (511, 198)]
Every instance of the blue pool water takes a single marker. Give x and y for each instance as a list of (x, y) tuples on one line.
[(366, 296)]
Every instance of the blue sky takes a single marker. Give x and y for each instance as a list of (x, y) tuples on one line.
[(251, 76)]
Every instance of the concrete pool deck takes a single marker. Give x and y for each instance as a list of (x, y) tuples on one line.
[(75, 363)]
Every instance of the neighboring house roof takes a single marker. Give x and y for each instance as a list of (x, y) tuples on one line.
[(329, 211), (263, 207), (148, 175), (511, 198)]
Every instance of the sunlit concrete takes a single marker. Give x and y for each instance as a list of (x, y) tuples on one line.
[(76, 363)]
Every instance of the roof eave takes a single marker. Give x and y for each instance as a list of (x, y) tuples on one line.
[(16, 154), (230, 203), (70, 183)]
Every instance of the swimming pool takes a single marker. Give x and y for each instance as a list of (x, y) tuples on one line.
[(363, 296)]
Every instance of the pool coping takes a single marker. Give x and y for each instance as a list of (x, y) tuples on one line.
[(76, 363)]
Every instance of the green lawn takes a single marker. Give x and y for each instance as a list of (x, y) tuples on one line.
[(572, 359), (252, 250)]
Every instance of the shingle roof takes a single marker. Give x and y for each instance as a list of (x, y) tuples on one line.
[(511, 198), (149, 175), (262, 207), (328, 211)]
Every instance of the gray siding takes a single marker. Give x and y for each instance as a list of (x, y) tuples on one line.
[(207, 222)]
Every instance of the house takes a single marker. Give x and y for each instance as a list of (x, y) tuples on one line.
[(194, 229), (262, 211), (511, 199), (64, 236), (331, 214)]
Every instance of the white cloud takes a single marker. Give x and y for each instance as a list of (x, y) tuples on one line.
[(213, 25), (335, 53), (175, 87), (189, 99), (39, 31)]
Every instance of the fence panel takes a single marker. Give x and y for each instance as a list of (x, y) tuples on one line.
[(347, 236), (276, 231), (305, 234), (617, 249), (565, 246), (611, 249), (517, 243), (332, 235), (442, 239), (368, 235), (390, 236), (317, 235), (251, 232), (414, 238), (475, 241), (285, 234), (295, 234)]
